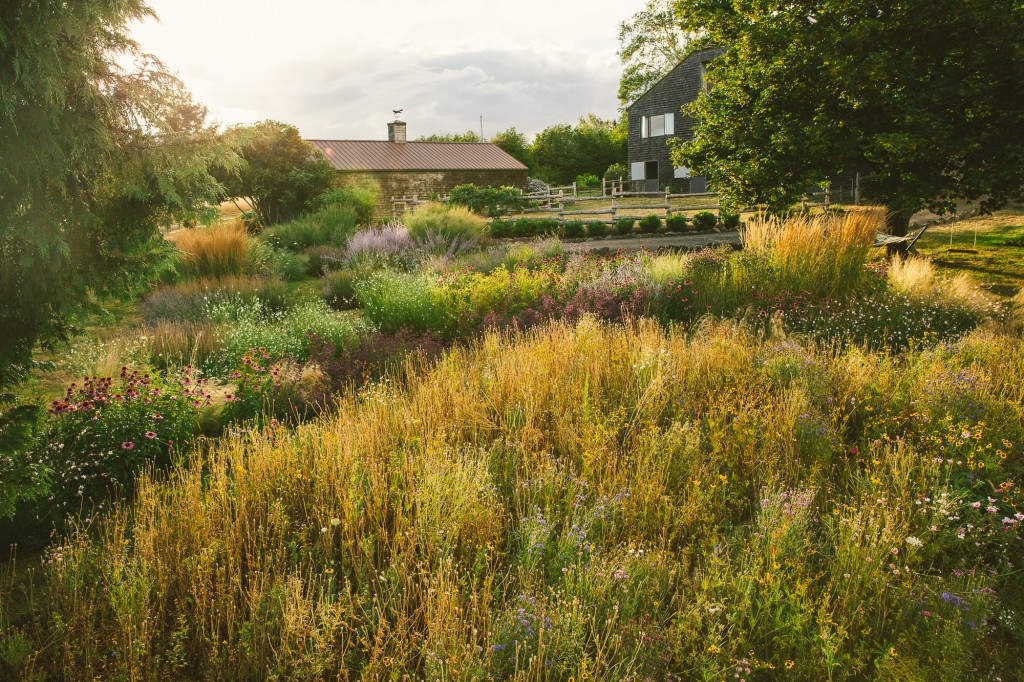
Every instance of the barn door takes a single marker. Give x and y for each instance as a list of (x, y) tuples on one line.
[(651, 176)]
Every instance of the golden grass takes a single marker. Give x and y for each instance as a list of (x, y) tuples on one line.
[(399, 527), (176, 344), (218, 251), (824, 254), (919, 279)]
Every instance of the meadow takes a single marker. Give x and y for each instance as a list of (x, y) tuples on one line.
[(412, 451)]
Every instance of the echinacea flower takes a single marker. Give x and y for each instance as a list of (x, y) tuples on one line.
[(127, 445), (150, 435)]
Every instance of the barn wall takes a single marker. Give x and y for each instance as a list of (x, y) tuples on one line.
[(425, 183)]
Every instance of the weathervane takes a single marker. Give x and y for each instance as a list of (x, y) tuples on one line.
[(396, 112)]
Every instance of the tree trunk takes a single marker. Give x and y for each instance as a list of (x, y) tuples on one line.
[(897, 224)]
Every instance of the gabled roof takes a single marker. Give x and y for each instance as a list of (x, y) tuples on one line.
[(351, 155), (705, 55)]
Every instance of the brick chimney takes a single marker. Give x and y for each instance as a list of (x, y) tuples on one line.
[(396, 132)]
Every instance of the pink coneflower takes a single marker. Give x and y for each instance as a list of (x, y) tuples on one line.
[(127, 445), (150, 435)]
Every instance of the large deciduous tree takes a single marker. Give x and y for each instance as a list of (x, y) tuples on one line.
[(280, 172), (651, 43), (923, 97), (563, 152), (99, 145)]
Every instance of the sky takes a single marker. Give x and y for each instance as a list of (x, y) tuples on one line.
[(337, 69)]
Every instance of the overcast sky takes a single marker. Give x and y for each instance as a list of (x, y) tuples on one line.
[(337, 69)]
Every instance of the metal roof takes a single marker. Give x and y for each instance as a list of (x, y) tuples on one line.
[(381, 155)]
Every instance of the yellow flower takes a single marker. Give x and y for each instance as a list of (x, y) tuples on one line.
[(876, 480), (789, 665), (714, 649), (892, 651)]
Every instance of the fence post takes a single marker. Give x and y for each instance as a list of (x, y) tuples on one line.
[(856, 190), (615, 209), (604, 187), (574, 195)]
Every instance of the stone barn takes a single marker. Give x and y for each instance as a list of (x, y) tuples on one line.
[(403, 168)]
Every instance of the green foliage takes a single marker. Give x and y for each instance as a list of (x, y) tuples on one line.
[(650, 224), (651, 43), (99, 145), (281, 173), (704, 221), (596, 228), (489, 201), (22, 477), (587, 181), (330, 226), (574, 229), (563, 152), (921, 100), (514, 143), (394, 301), (106, 429), (501, 229), (468, 136), (450, 222), (731, 221), (534, 227), (361, 197), (676, 222), (617, 171), (625, 225), (339, 287)]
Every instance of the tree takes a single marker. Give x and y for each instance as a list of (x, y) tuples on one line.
[(651, 43), (563, 152), (468, 136), (280, 172), (921, 96), (99, 145), (515, 145)]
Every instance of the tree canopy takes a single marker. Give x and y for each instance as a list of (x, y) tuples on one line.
[(99, 145), (651, 43), (280, 172), (921, 97), (563, 152)]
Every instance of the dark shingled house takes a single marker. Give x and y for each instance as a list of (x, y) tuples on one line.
[(655, 118), (402, 168)]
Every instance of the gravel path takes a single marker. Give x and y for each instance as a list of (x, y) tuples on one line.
[(687, 241)]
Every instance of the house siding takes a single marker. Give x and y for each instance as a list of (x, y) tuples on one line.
[(679, 87), (424, 183)]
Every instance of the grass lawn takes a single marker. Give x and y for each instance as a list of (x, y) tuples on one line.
[(989, 248)]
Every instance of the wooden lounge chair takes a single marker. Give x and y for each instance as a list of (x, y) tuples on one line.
[(888, 240)]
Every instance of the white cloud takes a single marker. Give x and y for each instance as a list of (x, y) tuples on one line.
[(336, 70)]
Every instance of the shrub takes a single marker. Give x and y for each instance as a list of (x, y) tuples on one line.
[(331, 225), (451, 222), (374, 355), (587, 180), (625, 225), (704, 221), (190, 301), (489, 201), (596, 228), (533, 227), (616, 171), (288, 265), (676, 222), (322, 259), (573, 229), (221, 250), (394, 301), (650, 224), (380, 244), (361, 197), (730, 221), (500, 229), (104, 430), (338, 287)]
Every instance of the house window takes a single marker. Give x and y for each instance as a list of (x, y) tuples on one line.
[(658, 126), (705, 86)]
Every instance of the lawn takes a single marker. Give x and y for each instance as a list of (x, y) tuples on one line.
[(989, 248)]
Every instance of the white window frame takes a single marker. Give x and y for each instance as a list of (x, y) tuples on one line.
[(665, 122)]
